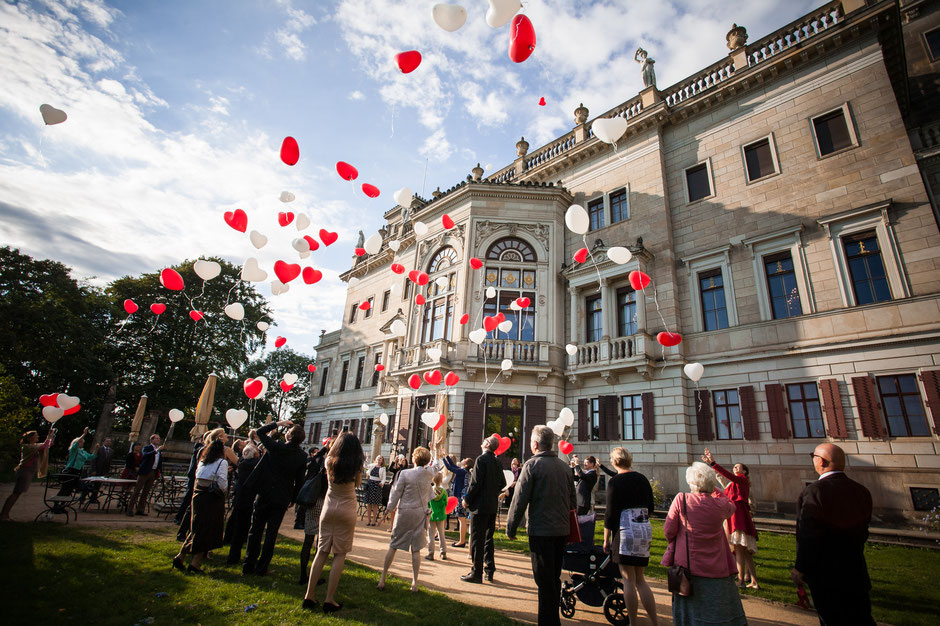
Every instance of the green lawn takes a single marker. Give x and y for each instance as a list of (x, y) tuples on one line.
[(904, 580), (80, 575)]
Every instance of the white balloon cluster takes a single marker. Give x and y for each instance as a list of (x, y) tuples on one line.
[(565, 420)]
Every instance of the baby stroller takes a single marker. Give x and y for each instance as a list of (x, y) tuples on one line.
[(595, 581)]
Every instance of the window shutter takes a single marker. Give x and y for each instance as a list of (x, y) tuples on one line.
[(534, 415), (832, 407), (602, 419), (703, 415), (649, 423), (749, 413), (354, 428), (316, 433), (472, 436), (404, 419), (867, 403), (584, 429), (931, 380), (613, 417), (777, 407)]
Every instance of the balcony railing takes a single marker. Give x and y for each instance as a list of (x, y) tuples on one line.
[(417, 356), (795, 33), (520, 352), (608, 352)]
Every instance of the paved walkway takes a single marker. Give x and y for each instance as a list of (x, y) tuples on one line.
[(512, 593)]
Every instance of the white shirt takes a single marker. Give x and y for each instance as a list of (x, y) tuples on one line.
[(216, 471), (830, 473)]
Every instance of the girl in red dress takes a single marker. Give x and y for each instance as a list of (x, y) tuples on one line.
[(740, 527)]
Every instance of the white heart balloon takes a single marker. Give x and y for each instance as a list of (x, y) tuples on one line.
[(491, 292), (257, 239), (290, 379), (505, 326), (514, 307), (506, 365), (394, 244), (450, 17), (263, 326), (264, 386), (52, 414), (176, 415), (302, 221), (278, 288), (610, 129), (442, 282), (430, 419), (287, 196), (577, 219), (236, 417), (693, 370), (557, 427), (52, 115), (403, 197), (566, 416), (252, 273), (398, 328), (383, 419), (421, 229), (300, 245), (207, 270), (501, 11), (236, 311), (363, 407), (477, 336), (571, 349), (304, 255), (373, 244), (66, 402), (434, 353), (619, 255)]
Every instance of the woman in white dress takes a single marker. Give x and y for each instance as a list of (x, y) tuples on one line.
[(410, 496)]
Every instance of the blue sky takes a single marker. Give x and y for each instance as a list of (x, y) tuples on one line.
[(177, 110)]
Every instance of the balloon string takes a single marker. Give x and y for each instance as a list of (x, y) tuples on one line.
[(393, 123), (42, 133), (596, 268), (155, 320), (495, 378), (229, 294), (201, 293)]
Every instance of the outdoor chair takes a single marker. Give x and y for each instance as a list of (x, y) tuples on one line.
[(56, 503)]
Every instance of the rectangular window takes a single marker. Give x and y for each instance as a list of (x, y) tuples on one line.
[(900, 398), (371, 304), (759, 160), (595, 419), (523, 322), (375, 372), (594, 319), (360, 368), (714, 307), (504, 415), (866, 268), (626, 312), (406, 290), (781, 286), (352, 312), (932, 39), (631, 410), (344, 376), (596, 212), (805, 413), (697, 182), (385, 298), (728, 414), (618, 206), (324, 373), (832, 132)]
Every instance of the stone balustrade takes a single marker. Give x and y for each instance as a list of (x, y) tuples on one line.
[(607, 352), (795, 33), (520, 352)]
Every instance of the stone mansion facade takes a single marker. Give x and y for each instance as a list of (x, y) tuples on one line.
[(779, 199)]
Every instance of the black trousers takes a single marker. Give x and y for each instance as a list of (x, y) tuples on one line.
[(236, 531), (547, 554), (838, 605), (482, 527), (265, 522)]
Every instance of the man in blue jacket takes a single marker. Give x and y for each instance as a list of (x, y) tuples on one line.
[(151, 465)]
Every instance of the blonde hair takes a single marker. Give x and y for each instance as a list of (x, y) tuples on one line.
[(421, 456), (621, 458), (213, 435), (437, 479)]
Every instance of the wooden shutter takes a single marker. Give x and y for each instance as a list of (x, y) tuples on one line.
[(613, 418), (472, 436), (931, 380), (404, 419), (703, 415), (867, 403), (534, 415), (777, 407), (832, 407), (584, 420), (649, 423), (316, 433), (602, 419), (749, 413)]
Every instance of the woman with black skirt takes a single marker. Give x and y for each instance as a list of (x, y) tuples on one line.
[(208, 508)]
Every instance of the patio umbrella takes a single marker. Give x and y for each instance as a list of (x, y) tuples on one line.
[(440, 435), (204, 408), (138, 419)]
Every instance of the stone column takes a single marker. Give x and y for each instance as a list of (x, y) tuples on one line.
[(605, 307), (575, 315), (650, 97)]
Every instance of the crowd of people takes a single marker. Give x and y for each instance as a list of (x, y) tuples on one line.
[(710, 528)]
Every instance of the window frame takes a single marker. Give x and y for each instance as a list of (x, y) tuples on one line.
[(386, 299), (901, 395), (774, 243), (930, 56), (766, 260), (709, 176), (527, 263), (803, 400), (324, 375), (589, 315), (853, 280), (353, 312), (344, 375), (771, 144), (594, 406), (600, 202), (849, 124), (618, 291), (368, 312), (704, 261), (716, 407), (637, 429), (376, 360), (360, 370), (625, 212)]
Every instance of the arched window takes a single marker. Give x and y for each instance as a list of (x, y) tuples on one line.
[(439, 293), (510, 269)]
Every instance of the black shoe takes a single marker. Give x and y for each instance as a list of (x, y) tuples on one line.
[(488, 576), (248, 569), (261, 571), (329, 607), (194, 570), (472, 578), (178, 564), (310, 605), (141, 513)]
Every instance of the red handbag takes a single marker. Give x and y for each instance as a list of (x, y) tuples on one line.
[(574, 529)]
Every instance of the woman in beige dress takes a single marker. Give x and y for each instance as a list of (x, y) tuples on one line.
[(338, 519), (410, 496)]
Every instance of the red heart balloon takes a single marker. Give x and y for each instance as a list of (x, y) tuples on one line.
[(565, 447), (408, 61), (370, 190), (365, 305), (286, 272), (451, 505), (196, 315), (581, 255), (521, 38), (542, 102), (290, 151), (423, 278), (669, 339), (500, 317), (504, 443), (157, 308), (285, 387), (490, 323), (464, 318), (413, 275), (447, 222), (451, 379), (314, 244), (49, 399), (171, 279), (398, 268), (414, 382), (236, 219), (359, 251), (312, 276), (419, 299), (440, 421), (280, 341), (311, 368), (523, 303), (253, 388), (130, 306), (327, 237), (346, 171), (639, 280), (433, 377), (285, 217), (74, 409), (476, 263), (379, 367)]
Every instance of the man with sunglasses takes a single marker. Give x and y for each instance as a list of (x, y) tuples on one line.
[(832, 517)]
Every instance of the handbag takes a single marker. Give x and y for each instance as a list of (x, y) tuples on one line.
[(574, 529), (312, 490), (679, 577), (215, 489)]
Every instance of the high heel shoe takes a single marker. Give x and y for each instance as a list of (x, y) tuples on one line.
[(310, 605), (329, 607), (195, 570), (178, 564)]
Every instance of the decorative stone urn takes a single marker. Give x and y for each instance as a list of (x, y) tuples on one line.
[(477, 173), (736, 37), (437, 193), (581, 114), (522, 147)]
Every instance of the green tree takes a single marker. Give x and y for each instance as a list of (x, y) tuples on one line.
[(18, 417)]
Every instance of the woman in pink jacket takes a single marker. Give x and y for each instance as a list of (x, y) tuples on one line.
[(695, 526)]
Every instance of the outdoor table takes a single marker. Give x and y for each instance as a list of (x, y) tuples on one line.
[(116, 489)]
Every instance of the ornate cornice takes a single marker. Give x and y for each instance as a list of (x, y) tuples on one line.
[(484, 228)]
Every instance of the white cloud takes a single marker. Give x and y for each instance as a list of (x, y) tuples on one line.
[(288, 37), (489, 110), (292, 47), (436, 147), (356, 95)]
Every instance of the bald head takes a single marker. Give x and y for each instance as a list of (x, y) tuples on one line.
[(828, 457)]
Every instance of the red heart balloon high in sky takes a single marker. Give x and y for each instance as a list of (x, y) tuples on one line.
[(521, 38), (370, 190), (446, 222), (286, 272), (130, 307), (398, 268), (236, 219), (157, 308), (171, 279), (314, 244), (327, 237), (476, 263), (285, 218), (312, 276), (311, 368), (639, 280), (346, 171), (280, 341), (408, 61), (290, 151)]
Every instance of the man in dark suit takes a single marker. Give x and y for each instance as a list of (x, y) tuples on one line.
[(832, 520), (281, 476), (151, 464), (482, 500)]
